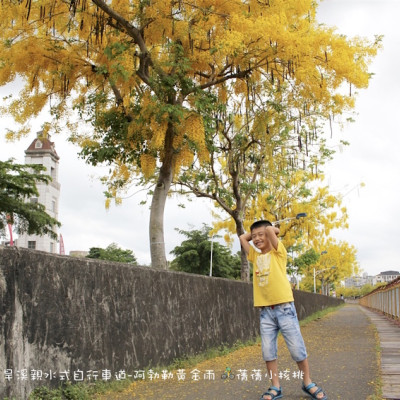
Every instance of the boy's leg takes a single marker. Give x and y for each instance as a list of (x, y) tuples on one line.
[(305, 369), (290, 328), (269, 336), (272, 369)]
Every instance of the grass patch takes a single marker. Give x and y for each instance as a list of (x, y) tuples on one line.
[(90, 390), (319, 314), (223, 350), (78, 391)]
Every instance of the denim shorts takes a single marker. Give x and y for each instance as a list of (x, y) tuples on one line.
[(281, 317)]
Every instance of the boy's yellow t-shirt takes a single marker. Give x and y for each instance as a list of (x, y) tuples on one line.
[(270, 283)]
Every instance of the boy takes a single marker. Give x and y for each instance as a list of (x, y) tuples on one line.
[(273, 294)]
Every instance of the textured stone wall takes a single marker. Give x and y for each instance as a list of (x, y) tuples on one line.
[(61, 315)]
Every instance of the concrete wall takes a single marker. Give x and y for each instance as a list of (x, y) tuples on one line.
[(60, 314)]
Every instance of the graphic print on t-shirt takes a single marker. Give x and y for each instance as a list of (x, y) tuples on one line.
[(263, 268)]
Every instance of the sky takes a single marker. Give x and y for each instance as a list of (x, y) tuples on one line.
[(371, 158)]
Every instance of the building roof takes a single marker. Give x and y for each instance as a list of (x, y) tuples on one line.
[(390, 273), (42, 144)]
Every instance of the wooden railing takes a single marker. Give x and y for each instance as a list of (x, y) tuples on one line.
[(385, 298)]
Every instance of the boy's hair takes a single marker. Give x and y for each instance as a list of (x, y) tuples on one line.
[(258, 224)]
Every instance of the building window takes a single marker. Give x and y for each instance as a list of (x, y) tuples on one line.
[(53, 173), (31, 244), (33, 200), (51, 247), (53, 205), (38, 144)]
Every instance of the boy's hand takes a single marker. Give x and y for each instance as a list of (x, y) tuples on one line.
[(275, 229), (247, 236)]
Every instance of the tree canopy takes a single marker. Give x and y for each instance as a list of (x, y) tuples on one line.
[(299, 264), (17, 186), (194, 255), (336, 261), (147, 74), (112, 253)]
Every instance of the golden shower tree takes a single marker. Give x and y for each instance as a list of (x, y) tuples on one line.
[(146, 74), (337, 262)]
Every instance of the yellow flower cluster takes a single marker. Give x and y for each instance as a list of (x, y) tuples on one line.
[(123, 172), (238, 122), (158, 133), (120, 172), (227, 225), (194, 128), (178, 138), (185, 157), (27, 106), (203, 154), (222, 94), (18, 134), (126, 100), (123, 7), (147, 105), (87, 142), (127, 62), (233, 42), (6, 73), (240, 87), (148, 163)]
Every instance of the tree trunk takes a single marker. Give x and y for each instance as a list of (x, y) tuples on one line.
[(156, 227), (245, 271)]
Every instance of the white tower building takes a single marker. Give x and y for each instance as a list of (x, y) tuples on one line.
[(42, 151)]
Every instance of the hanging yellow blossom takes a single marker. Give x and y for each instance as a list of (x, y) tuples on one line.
[(158, 133), (194, 128), (148, 164), (185, 157)]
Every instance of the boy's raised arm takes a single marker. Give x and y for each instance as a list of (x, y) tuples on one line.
[(272, 233), (244, 241)]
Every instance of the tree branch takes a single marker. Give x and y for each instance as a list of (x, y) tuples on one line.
[(240, 74), (135, 34), (198, 193), (128, 28)]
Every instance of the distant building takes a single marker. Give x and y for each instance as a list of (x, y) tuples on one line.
[(387, 276), (360, 281), (78, 253), (354, 281), (42, 151), (372, 280)]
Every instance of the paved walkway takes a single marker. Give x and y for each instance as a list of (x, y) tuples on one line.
[(389, 343), (343, 358)]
